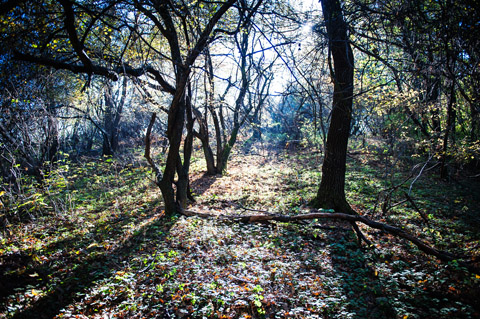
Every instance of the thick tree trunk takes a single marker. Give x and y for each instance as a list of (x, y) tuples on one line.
[(202, 135), (176, 120), (331, 193), (223, 160)]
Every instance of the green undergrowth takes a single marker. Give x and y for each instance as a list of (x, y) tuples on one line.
[(100, 245)]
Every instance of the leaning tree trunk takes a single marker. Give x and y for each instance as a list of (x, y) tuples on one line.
[(331, 193)]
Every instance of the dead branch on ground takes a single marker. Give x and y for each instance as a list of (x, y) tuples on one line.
[(466, 261)]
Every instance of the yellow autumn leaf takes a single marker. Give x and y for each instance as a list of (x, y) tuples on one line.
[(1, 193), (477, 276), (92, 245)]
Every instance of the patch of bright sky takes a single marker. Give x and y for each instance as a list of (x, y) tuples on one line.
[(310, 10)]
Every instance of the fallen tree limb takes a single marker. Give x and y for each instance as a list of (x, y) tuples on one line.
[(423, 246), (409, 198)]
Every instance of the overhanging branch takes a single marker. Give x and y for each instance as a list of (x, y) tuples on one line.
[(110, 73), (59, 65)]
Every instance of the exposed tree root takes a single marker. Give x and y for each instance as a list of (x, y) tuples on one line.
[(467, 261)]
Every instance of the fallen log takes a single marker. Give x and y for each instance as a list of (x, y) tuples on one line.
[(423, 246)]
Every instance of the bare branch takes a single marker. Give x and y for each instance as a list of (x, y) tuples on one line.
[(204, 36), (73, 36)]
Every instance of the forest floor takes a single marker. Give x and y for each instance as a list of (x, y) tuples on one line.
[(93, 242)]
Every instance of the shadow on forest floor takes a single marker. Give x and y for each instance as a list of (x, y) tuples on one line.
[(202, 182), (83, 263), (120, 257)]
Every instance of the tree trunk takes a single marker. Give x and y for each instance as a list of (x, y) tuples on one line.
[(118, 115), (203, 134), (223, 160), (107, 148), (179, 107), (448, 129), (262, 89), (204, 138), (209, 158), (257, 132), (220, 129), (52, 139), (176, 120), (112, 116), (475, 121), (331, 193), (431, 98), (183, 184)]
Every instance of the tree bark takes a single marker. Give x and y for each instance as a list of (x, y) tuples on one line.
[(203, 136), (203, 133), (112, 116), (475, 123), (108, 148), (180, 109), (52, 139), (331, 193), (448, 129)]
